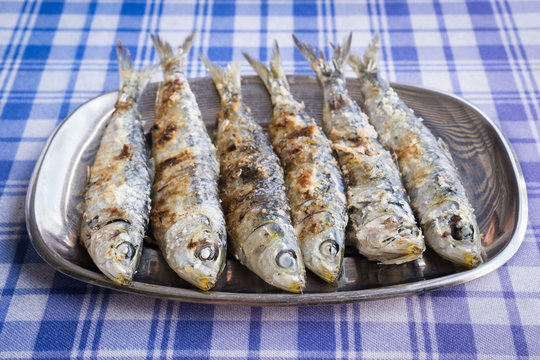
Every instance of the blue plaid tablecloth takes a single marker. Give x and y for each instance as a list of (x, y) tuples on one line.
[(56, 55)]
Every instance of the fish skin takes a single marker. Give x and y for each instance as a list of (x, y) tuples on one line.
[(186, 220), (252, 187), (429, 173), (313, 179), (117, 196), (381, 222)]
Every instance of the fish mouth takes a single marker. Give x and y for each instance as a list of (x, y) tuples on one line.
[(389, 240), (322, 244), (413, 253), (456, 240), (195, 251), (271, 252), (115, 250)]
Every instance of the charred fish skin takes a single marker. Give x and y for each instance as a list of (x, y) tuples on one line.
[(429, 173), (313, 180), (381, 221), (117, 196), (187, 220), (252, 190)]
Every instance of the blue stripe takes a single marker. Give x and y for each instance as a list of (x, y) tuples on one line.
[(167, 326), (344, 328), (87, 323), (413, 339), (11, 281), (456, 88), (520, 343), (153, 328), (263, 56), (254, 342), (357, 329), (101, 320), (425, 325), (65, 109)]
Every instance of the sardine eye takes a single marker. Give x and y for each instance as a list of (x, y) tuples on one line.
[(460, 231), (206, 252), (329, 248), (286, 259), (127, 249)]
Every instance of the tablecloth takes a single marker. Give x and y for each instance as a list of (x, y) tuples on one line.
[(55, 55)]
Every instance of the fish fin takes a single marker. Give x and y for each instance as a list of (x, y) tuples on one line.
[(131, 84), (318, 63), (274, 75), (370, 62), (341, 53), (227, 80), (445, 149), (276, 67), (260, 69), (169, 57)]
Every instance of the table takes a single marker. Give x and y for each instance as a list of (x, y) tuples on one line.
[(56, 55)]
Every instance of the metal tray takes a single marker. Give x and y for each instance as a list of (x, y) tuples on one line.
[(484, 157)]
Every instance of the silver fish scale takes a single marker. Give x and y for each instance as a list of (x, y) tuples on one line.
[(199, 168), (120, 176), (187, 219), (252, 160), (314, 153)]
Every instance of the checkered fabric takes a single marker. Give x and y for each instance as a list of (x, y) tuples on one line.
[(55, 55)]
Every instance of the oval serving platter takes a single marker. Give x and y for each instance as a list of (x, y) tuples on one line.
[(484, 157)]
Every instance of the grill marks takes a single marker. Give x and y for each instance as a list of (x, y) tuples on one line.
[(166, 135), (125, 153), (182, 157)]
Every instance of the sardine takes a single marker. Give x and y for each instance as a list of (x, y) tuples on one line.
[(186, 219), (381, 222), (313, 179), (429, 173), (253, 196), (117, 196)]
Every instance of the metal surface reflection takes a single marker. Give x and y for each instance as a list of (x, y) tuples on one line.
[(491, 175)]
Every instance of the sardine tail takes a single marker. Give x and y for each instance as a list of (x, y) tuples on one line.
[(131, 84), (270, 75), (369, 64), (318, 63), (226, 80), (341, 53), (168, 56), (276, 66), (260, 69), (125, 66)]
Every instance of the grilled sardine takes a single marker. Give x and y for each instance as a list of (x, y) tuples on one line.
[(313, 179), (186, 220), (381, 222), (429, 174), (253, 196), (117, 196)]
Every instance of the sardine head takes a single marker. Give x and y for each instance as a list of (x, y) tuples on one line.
[(271, 251), (116, 250), (196, 251), (456, 238), (322, 244), (389, 239)]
